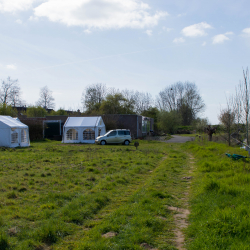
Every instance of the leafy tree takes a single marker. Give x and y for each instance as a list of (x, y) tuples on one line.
[(35, 111), (46, 99), (169, 121), (7, 110), (116, 104), (58, 112), (200, 124), (93, 96), (152, 112)]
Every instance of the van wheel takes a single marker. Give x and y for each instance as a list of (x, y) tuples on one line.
[(103, 143), (126, 143)]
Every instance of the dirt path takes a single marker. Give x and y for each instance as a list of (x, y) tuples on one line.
[(181, 214), (179, 139)]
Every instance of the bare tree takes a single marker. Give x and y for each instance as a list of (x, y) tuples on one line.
[(139, 100), (15, 97), (10, 92), (183, 98), (237, 106), (241, 105), (144, 101), (46, 99), (227, 119), (244, 89)]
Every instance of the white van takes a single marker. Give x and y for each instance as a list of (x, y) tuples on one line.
[(115, 136)]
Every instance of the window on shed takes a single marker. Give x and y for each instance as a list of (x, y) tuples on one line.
[(14, 137), (99, 132), (88, 134), (72, 135), (24, 135)]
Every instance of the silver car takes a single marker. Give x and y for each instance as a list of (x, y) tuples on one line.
[(115, 136)]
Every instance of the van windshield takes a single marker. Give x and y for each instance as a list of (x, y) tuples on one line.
[(110, 133)]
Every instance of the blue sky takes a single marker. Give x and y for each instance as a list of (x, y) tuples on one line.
[(127, 44)]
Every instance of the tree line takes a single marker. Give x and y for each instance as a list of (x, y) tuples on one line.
[(177, 104), (10, 94)]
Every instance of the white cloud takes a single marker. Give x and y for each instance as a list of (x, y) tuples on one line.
[(15, 5), (100, 14), (204, 44), (246, 31), (11, 66), (87, 31), (19, 21), (196, 29), (179, 40), (149, 32), (221, 38)]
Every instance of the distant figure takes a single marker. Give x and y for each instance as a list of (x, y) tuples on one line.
[(210, 131)]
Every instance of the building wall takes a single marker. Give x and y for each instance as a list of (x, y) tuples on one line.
[(35, 125), (131, 122)]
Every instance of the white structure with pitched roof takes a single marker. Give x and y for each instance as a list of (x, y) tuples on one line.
[(13, 133), (83, 129)]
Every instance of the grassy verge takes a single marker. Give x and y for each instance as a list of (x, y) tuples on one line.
[(57, 196), (220, 199)]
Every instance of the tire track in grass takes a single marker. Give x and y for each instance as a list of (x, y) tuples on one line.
[(121, 222), (181, 214), (127, 192), (119, 201), (120, 197)]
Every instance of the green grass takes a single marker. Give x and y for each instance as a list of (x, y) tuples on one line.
[(69, 196), (220, 199)]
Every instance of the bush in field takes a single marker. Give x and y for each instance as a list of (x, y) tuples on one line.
[(169, 121)]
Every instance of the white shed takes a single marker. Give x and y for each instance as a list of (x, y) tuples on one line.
[(83, 129), (13, 133)]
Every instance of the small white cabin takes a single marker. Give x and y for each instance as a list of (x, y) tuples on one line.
[(83, 129), (13, 133)]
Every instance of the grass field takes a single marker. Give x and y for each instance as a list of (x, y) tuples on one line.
[(220, 198), (59, 196)]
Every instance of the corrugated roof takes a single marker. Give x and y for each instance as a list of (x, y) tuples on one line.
[(11, 122)]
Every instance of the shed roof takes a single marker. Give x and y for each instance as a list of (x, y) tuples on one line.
[(84, 121), (8, 121)]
